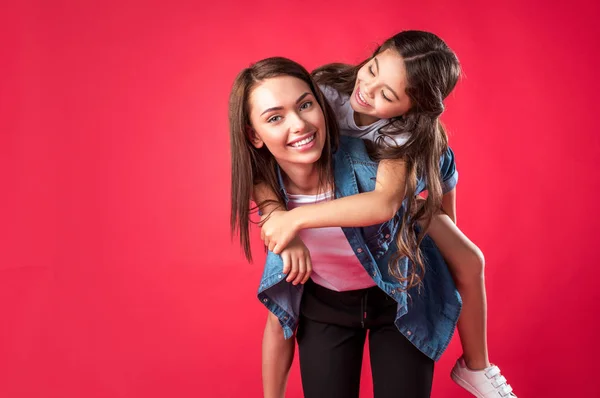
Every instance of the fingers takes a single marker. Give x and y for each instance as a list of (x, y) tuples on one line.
[(301, 270), (308, 262), (282, 243), (287, 264), (297, 263), (294, 269), (266, 241), (278, 248)]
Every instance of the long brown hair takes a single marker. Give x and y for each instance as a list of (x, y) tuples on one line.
[(250, 165), (432, 71)]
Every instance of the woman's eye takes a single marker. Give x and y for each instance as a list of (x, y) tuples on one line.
[(371, 70), (385, 98), (274, 119), (306, 105)]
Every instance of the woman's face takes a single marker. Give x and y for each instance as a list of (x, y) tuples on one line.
[(380, 90), (287, 119)]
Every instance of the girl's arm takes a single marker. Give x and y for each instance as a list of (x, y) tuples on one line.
[(364, 209), (449, 180), (449, 204)]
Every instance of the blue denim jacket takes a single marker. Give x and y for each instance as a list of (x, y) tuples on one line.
[(426, 316)]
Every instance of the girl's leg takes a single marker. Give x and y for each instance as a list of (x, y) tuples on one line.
[(277, 356), (466, 263), (473, 372)]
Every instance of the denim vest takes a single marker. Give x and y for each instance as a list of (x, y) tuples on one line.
[(426, 316)]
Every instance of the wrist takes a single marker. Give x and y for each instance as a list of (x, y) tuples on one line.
[(295, 222)]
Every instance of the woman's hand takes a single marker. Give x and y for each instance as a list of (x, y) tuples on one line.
[(278, 230), (296, 262)]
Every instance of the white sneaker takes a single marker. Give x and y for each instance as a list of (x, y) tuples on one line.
[(486, 383)]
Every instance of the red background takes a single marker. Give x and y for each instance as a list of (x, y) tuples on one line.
[(117, 274)]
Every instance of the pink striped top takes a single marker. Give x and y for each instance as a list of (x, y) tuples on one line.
[(335, 266)]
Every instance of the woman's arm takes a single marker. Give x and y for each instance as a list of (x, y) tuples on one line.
[(297, 264), (364, 209), (266, 199)]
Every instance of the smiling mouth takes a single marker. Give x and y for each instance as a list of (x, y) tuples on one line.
[(361, 99), (305, 141)]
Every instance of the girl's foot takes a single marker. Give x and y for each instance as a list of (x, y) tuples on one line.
[(486, 383)]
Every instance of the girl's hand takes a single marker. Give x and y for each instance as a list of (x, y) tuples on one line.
[(296, 262), (278, 230)]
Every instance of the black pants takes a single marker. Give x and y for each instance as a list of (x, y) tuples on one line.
[(331, 337)]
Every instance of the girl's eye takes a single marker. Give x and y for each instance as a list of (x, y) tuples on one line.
[(274, 119), (306, 105), (385, 98), (371, 70)]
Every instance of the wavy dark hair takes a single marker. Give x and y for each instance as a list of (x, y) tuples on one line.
[(250, 165), (432, 71)]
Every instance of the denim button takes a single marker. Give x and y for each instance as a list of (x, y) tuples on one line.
[(265, 300), (387, 236), (359, 250), (409, 333)]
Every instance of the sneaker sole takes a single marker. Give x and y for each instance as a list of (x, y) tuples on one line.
[(465, 385)]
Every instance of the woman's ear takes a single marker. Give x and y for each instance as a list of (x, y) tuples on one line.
[(254, 138)]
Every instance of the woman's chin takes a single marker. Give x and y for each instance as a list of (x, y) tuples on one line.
[(310, 158), (303, 159)]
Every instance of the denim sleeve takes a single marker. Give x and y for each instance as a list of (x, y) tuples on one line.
[(448, 171), (279, 296)]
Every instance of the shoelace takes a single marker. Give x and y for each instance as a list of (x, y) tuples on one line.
[(499, 381)]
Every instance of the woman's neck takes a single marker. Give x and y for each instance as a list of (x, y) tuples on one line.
[(301, 180)]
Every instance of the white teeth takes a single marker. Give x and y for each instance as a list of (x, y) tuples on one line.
[(304, 141), (362, 98)]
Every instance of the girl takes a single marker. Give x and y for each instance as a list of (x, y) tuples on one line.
[(283, 135), (394, 100)]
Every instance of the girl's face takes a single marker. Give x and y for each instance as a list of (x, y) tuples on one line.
[(287, 119), (380, 90)]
